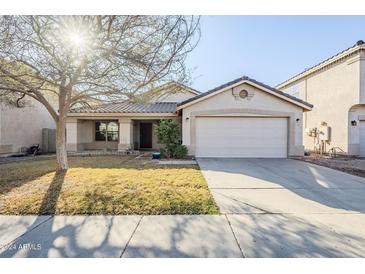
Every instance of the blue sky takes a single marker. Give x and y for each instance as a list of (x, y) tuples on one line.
[(269, 49)]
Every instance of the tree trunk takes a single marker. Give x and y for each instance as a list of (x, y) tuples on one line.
[(61, 151)]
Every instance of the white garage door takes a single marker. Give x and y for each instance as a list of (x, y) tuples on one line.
[(362, 138), (241, 137)]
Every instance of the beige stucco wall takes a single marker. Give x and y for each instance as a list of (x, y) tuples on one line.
[(177, 96), (361, 60), (333, 91), (23, 126), (261, 103)]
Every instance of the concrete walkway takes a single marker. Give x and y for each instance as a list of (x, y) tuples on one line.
[(117, 236), (237, 235)]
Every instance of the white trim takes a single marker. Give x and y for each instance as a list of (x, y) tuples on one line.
[(240, 83)]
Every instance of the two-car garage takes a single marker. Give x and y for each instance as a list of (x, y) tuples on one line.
[(243, 118), (262, 137)]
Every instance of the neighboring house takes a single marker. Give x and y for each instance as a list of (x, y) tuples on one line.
[(170, 92), (336, 88), (242, 118), (22, 127)]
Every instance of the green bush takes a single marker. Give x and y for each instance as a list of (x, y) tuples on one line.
[(168, 133), (180, 151)]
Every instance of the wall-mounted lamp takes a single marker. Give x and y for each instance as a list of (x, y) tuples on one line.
[(187, 118), (297, 120), (353, 123)]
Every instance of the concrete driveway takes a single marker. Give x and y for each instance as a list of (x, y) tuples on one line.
[(289, 208)]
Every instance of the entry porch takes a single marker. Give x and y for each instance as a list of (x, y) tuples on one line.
[(112, 133)]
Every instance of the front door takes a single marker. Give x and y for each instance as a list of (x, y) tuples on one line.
[(145, 135)]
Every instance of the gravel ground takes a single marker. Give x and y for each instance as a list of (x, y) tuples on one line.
[(354, 166)]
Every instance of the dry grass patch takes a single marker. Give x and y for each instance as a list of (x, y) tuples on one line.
[(103, 185)]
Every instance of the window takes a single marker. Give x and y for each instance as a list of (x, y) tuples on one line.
[(243, 94), (104, 129)]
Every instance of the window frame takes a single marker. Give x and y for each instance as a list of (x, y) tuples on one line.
[(107, 132)]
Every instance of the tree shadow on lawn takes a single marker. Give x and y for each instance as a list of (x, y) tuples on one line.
[(17, 177), (47, 238), (63, 240), (34, 169), (48, 206), (49, 202)]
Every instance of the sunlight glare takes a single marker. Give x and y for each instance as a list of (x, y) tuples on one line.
[(77, 40)]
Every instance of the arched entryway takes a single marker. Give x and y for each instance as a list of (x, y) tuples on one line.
[(356, 130)]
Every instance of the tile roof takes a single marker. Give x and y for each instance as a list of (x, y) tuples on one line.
[(129, 107), (247, 79)]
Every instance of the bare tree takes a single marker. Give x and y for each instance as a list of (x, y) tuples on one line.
[(74, 58)]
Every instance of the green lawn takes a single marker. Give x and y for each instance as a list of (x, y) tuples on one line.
[(103, 185)]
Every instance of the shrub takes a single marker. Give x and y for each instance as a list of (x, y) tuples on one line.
[(168, 134), (180, 151)]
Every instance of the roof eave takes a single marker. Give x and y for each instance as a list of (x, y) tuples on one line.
[(304, 106)]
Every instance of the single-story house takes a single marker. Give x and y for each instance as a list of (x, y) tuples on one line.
[(242, 118)]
